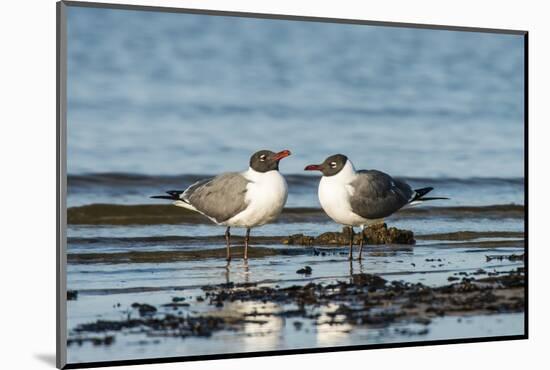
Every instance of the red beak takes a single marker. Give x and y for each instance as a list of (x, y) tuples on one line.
[(281, 155), (313, 167)]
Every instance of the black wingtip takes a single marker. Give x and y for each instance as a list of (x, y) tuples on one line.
[(435, 198), (172, 195), (162, 197), (175, 193), (423, 191)]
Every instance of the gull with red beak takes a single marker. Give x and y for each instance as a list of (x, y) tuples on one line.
[(362, 198), (246, 199)]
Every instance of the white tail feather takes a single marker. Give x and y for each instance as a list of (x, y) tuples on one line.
[(181, 203)]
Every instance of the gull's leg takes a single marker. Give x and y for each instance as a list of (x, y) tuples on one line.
[(362, 240), (246, 239), (351, 234), (228, 244), (246, 272)]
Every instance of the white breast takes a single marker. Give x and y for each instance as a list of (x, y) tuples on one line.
[(334, 193), (266, 196)]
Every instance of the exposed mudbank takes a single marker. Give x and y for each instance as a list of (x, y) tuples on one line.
[(175, 255), (167, 256), (296, 239), (471, 235), (153, 214)]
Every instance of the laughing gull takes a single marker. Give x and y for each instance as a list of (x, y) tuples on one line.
[(247, 199), (362, 198)]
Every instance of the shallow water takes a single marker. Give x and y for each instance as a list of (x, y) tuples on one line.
[(121, 188)]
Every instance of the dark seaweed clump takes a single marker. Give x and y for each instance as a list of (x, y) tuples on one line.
[(370, 299), (305, 270), (512, 257), (144, 308), (96, 341), (167, 325)]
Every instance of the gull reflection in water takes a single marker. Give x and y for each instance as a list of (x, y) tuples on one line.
[(240, 273), (262, 329), (331, 330)]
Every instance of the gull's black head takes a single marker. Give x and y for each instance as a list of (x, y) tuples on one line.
[(266, 160), (331, 166)]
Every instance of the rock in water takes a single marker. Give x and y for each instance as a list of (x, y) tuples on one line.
[(381, 234), (375, 234), (299, 239), (332, 238)]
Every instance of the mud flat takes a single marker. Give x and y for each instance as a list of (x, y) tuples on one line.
[(378, 238), (362, 300)]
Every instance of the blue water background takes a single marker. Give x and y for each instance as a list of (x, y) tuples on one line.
[(161, 93)]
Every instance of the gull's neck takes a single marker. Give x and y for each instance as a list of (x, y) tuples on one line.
[(346, 174), (252, 174)]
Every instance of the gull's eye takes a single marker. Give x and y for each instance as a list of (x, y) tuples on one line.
[(262, 157), (333, 164)]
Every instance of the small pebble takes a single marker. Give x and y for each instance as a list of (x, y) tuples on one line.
[(306, 270)]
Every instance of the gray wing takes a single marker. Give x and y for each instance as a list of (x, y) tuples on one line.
[(377, 195), (220, 197)]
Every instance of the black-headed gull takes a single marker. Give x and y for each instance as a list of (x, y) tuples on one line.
[(361, 198), (246, 199)]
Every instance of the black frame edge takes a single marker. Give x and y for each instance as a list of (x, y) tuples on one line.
[(287, 17), (61, 147), (526, 176)]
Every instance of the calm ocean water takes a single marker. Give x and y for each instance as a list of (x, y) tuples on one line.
[(152, 93)]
